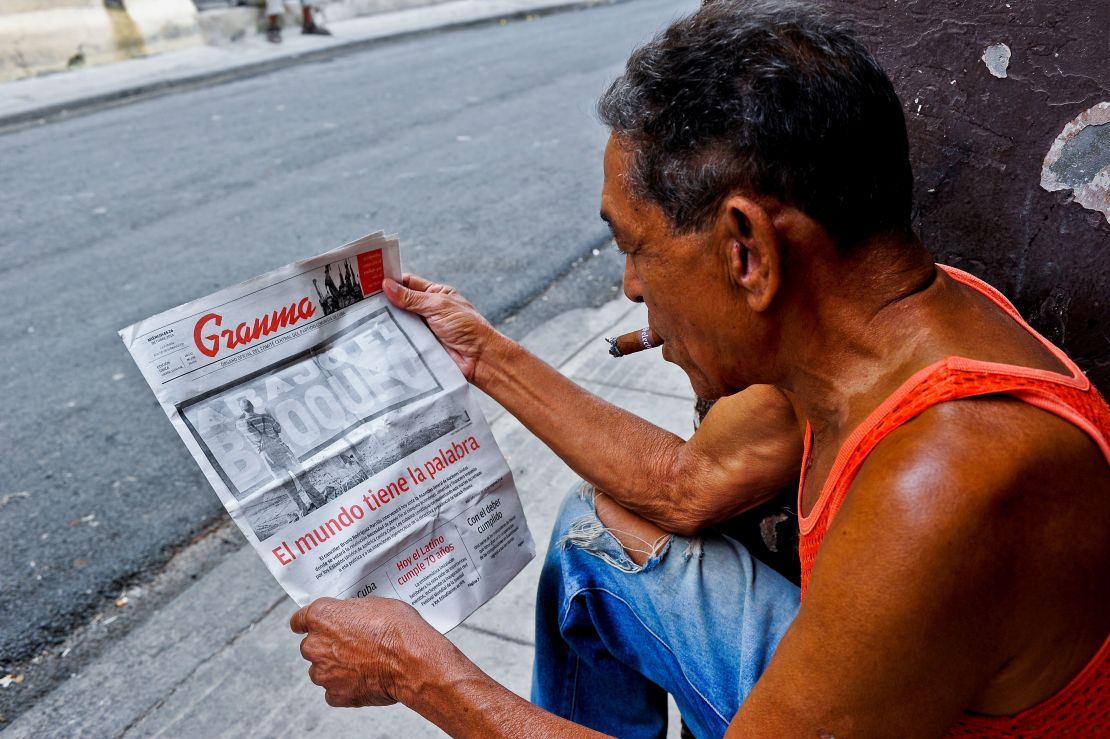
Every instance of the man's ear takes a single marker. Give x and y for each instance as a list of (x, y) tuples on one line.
[(755, 259)]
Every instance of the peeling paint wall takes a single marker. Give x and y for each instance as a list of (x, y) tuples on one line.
[(988, 128), (997, 59), (1079, 160)]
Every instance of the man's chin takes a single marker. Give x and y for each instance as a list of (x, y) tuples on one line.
[(710, 393), (703, 388)]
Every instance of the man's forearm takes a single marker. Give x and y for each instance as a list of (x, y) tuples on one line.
[(465, 702), (630, 458)]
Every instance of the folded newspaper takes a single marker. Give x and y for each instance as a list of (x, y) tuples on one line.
[(340, 435)]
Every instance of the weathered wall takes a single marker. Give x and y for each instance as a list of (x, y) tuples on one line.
[(979, 143), (43, 36)]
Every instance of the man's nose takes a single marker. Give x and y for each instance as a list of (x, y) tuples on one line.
[(632, 289)]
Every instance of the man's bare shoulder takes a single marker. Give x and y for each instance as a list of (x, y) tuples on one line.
[(991, 472), (965, 571), (1014, 504), (1008, 453)]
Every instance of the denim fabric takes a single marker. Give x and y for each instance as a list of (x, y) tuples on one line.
[(699, 620)]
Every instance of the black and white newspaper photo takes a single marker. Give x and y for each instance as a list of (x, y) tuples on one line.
[(340, 435)]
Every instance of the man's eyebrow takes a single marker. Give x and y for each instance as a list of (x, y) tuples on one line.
[(608, 222)]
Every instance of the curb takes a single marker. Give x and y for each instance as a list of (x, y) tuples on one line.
[(83, 105)]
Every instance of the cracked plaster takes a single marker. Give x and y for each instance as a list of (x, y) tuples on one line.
[(1079, 160), (997, 59)]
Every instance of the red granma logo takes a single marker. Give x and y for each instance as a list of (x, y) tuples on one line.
[(245, 333)]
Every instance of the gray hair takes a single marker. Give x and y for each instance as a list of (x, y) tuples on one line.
[(770, 98)]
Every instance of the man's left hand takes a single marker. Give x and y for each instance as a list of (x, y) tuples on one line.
[(362, 649)]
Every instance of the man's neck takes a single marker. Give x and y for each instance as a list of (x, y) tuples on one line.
[(853, 327)]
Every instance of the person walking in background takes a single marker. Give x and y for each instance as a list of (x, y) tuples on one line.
[(274, 10)]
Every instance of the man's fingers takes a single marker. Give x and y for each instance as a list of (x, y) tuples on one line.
[(419, 284), (305, 648), (417, 301), (415, 282), (299, 621), (401, 296)]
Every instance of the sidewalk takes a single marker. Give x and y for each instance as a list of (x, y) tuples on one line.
[(219, 660), (39, 99)]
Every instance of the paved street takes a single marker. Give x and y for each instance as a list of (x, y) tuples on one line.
[(479, 147)]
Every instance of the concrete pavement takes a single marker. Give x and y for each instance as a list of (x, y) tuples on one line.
[(218, 660), (40, 99)]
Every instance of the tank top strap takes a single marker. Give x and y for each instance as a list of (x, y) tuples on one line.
[(954, 378), (945, 381)]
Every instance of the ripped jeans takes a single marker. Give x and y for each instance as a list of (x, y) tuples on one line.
[(699, 620)]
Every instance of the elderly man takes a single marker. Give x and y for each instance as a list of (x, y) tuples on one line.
[(955, 496)]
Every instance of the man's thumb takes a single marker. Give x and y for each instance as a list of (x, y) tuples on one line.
[(401, 296)]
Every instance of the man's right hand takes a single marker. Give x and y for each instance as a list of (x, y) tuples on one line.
[(458, 325)]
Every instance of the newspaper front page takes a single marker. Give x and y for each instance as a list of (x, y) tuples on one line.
[(340, 435)]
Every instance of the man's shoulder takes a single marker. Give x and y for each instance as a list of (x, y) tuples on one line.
[(999, 512), (997, 445), (993, 469), (979, 530)]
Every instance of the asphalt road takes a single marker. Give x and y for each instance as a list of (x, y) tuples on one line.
[(478, 146)]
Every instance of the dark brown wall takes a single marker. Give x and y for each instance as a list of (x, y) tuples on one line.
[(978, 144)]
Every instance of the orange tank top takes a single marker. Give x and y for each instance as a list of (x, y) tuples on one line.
[(1082, 707)]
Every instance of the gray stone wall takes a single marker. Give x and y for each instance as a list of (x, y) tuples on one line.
[(983, 118)]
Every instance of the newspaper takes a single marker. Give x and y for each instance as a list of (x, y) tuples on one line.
[(340, 435)]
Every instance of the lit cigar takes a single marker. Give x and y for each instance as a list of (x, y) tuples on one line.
[(634, 341)]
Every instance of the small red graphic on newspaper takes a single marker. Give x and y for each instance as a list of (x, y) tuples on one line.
[(371, 271)]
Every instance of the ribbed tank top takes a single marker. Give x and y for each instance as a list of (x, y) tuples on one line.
[(1082, 707)]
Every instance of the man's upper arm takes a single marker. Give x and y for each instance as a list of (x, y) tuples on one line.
[(903, 623), (748, 447)]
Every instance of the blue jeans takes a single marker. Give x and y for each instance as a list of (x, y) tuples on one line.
[(699, 620)]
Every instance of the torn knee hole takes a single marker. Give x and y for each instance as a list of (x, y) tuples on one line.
[(693, 548), (623, 550)]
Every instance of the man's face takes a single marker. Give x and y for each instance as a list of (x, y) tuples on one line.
[(684, 281)]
